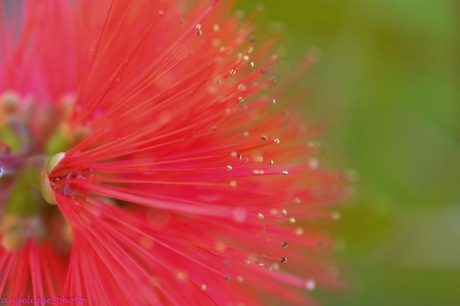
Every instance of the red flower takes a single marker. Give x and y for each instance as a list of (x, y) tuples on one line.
[(181, 183)]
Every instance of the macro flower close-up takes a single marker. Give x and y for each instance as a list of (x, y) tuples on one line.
[(151, 155)]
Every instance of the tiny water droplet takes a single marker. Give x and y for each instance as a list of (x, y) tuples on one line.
[(310, 284), (239, 215), (299, 231), (313, 163), (335, 215)]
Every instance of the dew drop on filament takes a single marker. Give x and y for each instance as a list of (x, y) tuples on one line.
[(310, 284), (239, 215)]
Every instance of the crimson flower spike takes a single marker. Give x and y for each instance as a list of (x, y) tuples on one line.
[(143, 160)]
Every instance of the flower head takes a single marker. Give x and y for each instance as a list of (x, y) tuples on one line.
[(144, 160)]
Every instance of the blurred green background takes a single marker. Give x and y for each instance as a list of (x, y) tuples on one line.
[(388, 82)]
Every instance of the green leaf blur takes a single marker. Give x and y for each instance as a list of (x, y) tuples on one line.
[(388, 83)]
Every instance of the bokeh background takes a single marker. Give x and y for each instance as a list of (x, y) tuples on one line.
[(388, 85)]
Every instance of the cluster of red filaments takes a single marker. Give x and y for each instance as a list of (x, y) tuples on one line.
[(176, 176)]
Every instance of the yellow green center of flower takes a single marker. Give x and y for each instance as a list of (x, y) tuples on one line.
[(26, 160)]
